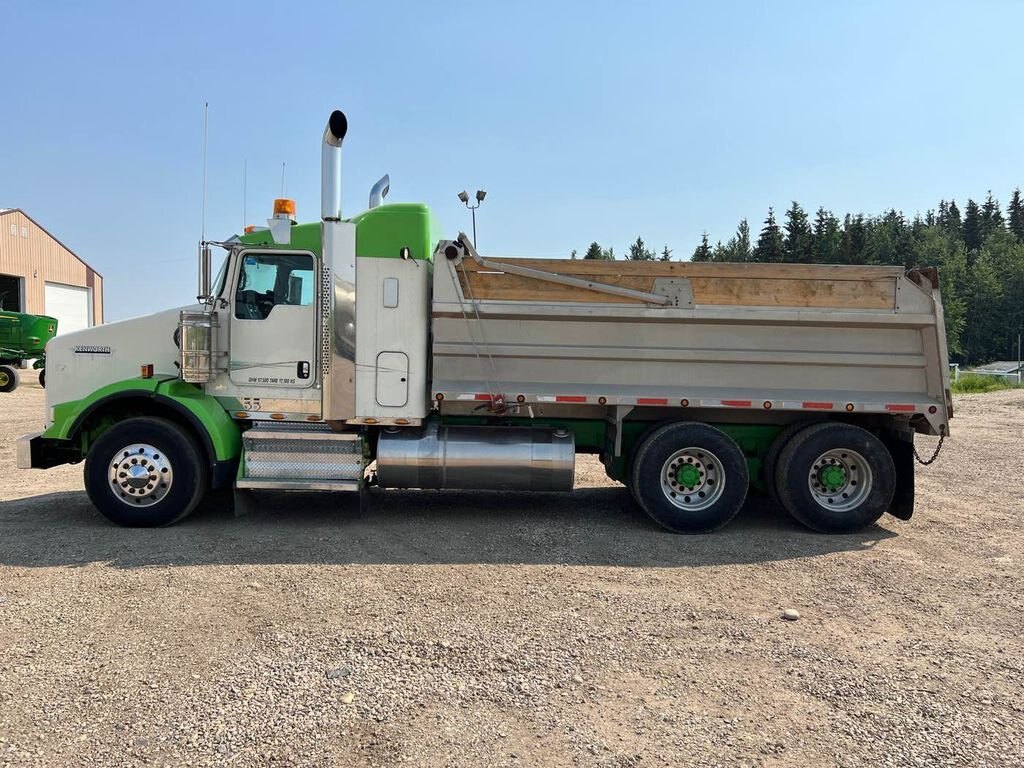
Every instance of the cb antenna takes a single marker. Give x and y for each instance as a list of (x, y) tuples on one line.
[(284, 184), (245, 193), (206, 126), (204, 249)]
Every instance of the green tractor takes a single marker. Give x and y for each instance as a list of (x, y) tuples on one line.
[(23, 337)]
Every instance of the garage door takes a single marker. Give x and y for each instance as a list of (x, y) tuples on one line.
[(71, 305)]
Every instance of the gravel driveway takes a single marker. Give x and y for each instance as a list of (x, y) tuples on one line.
[(470, 629)]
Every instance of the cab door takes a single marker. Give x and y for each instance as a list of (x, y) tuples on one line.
[(273, 320)]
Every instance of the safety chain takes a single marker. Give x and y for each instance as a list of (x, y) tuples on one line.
[(935, 455)]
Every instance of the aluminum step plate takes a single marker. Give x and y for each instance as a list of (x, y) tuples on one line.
[(303, 455), (284, 484)]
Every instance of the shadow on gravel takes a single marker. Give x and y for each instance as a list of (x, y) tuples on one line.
[(591, 526)]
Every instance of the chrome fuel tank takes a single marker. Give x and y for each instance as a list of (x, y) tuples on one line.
[(481, 458)]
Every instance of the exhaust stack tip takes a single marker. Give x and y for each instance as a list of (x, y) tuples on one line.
[(330, 166), (337, 127), (380, 191)]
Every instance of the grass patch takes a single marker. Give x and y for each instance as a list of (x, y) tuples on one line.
[(974, 382)]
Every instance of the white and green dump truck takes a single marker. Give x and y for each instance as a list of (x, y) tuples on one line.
[(368, 351)]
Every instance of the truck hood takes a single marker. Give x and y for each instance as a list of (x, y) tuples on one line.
[(79, 363)]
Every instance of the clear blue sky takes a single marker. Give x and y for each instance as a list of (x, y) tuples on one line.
[(583, 121)]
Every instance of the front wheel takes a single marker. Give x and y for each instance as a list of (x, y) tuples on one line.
[(145, 472), (42, 378), (835, 478), (8, 378), (690, 477)]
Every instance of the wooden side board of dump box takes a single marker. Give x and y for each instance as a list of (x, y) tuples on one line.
[(755, 285)]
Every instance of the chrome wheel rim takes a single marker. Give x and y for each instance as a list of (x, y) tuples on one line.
[(840, 479), (692, 479), (140, 475)]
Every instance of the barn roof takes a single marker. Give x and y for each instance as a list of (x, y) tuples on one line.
[(49, 234)]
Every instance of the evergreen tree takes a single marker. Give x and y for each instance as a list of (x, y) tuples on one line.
[(666, 254), (951, 221), (573, 254), (594, 252), (972, 230), (638, 251), (608, 254), (799, 242), (889, 240), (739, 244), (991, 215), (827, 237), (851, 246), (1016, 215), (982, 291), (770, 247), (937, 248), (720, 252), (703, 251)]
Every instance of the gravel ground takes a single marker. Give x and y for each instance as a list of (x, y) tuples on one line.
[(472, 629)]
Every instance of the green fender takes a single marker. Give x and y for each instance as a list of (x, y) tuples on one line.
[(221, 434)]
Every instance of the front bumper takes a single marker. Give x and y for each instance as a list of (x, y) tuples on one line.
[(24, 445), (37, 452)]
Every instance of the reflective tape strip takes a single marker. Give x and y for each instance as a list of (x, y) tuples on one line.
[(791, 405)]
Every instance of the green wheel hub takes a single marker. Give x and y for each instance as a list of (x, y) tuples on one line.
[(832, 476), (688, 476)]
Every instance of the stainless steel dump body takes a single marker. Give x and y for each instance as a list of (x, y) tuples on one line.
[(764, 337)]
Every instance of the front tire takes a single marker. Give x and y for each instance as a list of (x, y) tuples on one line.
[(42, 378), (835, 478), (8, 378), (690, 477), (145, 472)]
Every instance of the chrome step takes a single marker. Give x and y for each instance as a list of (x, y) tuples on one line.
[(267, 484), (301, 456)]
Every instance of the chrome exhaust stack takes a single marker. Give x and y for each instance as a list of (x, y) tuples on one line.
[(330, 166), (379, 191)]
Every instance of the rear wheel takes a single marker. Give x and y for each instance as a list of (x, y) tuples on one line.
[(145, 472), (835, 478), (690, 477), (8, 378), (771, 456), (42, 378)]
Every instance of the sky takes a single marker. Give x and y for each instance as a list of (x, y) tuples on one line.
[(583, 121)]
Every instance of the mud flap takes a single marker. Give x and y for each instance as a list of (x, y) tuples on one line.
[(903, 458)]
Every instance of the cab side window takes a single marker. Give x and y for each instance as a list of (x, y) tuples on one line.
[(272, 279)]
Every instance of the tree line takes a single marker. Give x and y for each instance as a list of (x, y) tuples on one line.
[(637, 251), (979, 252)]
